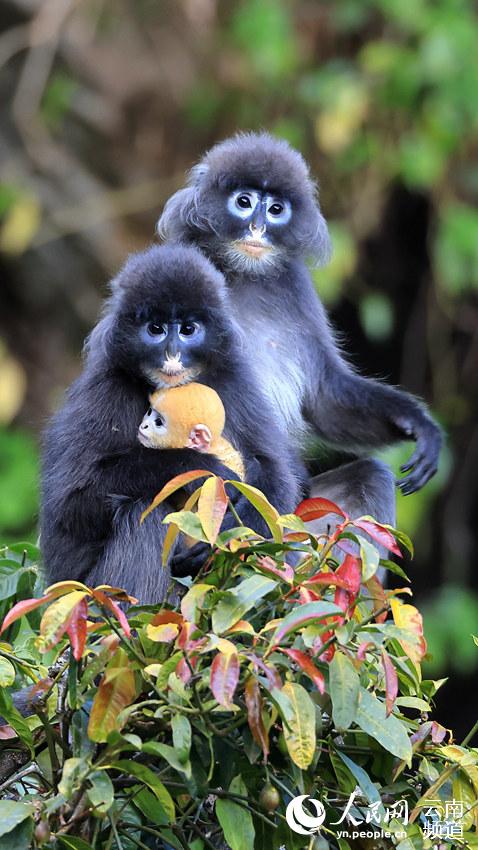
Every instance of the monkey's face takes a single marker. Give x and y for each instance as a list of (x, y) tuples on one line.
[(170, 321), (172, 352)]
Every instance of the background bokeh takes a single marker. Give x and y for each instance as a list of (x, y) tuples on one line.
[(104, 105)]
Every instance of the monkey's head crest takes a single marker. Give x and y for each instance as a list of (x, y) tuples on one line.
[(250, 204)]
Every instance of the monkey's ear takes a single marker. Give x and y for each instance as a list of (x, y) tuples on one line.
[(98, 341), (181, 215), (320, 245), (200, 438)]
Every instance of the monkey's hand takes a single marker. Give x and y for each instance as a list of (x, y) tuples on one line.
[(424, 461), (188, 562)]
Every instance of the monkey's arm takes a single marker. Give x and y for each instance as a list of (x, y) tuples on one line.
[(360, 413), (137, 473)]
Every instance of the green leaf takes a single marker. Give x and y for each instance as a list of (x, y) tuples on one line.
[(101, 793), (19, 838), (13, 813), (390, 732), (344, 690), (15, 719), (235, 603), (370, 558), (10, 578), (149, 806), (182, 736), (303, 616), (155, 748), (188, 522), (149, 778), (7, 672), (235, 820), (74, 771), (363, 780), (72, 842)]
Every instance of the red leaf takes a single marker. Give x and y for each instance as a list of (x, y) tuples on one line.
[(316, 508), (273, 677), (378, 533), (6, 732), (378, 596), (391, 682), (350, 570), (363, 649), (327, 579), (307, 595), (183, 669), (224, 677), (22, 608), (77, 628), (253, 699), (438, 732), (268, 565), (307, 665), (113, 606)]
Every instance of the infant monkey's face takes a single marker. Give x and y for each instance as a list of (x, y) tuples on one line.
[(153, 431)]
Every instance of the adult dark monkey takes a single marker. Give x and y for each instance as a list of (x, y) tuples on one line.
[(167, 322), (252, 208)]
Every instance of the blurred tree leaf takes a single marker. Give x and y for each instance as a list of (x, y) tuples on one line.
[(20, 224), (376, 316), (456, 248), (18, 481), (263, 30)]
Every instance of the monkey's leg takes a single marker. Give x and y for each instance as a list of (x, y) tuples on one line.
[(132, 556), (365, 486)]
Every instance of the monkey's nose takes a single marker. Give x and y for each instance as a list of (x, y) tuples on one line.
[(257, 231), (144, 426)]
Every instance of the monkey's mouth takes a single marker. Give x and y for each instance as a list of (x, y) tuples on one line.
[(176, 378), (253, 247)]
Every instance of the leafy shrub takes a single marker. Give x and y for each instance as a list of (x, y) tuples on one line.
[(195, 726)]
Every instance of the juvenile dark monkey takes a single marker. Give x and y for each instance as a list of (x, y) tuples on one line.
[(167, 323), (252, 208)]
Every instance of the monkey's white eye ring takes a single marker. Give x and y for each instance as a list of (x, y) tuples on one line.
[(278, 210), (242, 202)]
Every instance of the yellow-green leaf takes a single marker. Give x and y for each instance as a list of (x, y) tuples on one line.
[(56, 617), (7, 672), (266, 510), (114, 693), (298, 713)]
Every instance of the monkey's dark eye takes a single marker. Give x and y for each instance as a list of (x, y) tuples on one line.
[(188, 328), (276, 209), (157, 330), (244, 202), (159, 421)]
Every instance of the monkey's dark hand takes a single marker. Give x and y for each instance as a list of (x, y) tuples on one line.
[(424, 460), (188, 561)]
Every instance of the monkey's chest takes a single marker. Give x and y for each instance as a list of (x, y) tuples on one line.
[(278, 368)]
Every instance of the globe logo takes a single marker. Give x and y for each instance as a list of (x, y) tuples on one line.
[(299, 820)]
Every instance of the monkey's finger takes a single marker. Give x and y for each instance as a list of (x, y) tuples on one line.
[(188, 562)]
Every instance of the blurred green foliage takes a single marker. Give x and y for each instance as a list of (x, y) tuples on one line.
[(18, 483)]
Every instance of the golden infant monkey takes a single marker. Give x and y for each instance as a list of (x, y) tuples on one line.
[(190, 416)]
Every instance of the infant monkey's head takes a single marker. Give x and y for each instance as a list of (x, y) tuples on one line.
[(191, 416)]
